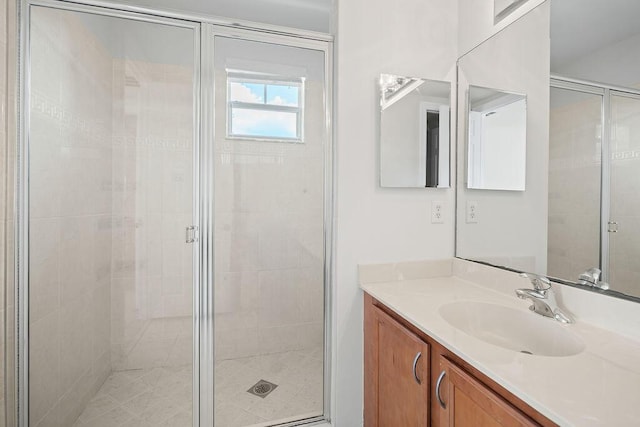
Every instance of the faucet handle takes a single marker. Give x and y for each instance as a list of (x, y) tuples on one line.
[(540, 283), (591, 275)]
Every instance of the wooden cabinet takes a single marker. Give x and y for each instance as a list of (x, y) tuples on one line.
[(466, 402), (396, 374), (401, 393)]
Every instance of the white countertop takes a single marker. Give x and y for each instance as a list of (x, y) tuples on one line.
[(598, 387)]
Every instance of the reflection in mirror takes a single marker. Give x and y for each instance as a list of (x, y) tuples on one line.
[(497, 144), (414, 132), (502, 8), (580, 212), (594, 183), (508, 228), (575, 135)]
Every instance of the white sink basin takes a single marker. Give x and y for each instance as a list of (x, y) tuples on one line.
[(516, 330)]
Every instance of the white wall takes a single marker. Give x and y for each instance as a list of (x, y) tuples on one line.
[(512, 226), (616, 64), (476, 21), (375, 224), (502, 142), (313, 15)]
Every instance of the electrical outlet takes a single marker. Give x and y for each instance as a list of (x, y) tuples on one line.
[(472, 212), (437, 212)]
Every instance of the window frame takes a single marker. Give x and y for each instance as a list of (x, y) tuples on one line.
[(266, 80)]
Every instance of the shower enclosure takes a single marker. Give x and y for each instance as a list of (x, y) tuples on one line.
[(594, 156), (174, 207)]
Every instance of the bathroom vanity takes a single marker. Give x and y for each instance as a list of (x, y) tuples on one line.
[(412, 380), (432, 358)]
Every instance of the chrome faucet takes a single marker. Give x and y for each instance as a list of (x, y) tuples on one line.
[(591, 278), (542, 297)]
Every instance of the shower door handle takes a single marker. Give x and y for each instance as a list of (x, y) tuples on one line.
[(191, 235)]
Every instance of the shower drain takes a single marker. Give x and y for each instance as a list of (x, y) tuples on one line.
[(262, 388)]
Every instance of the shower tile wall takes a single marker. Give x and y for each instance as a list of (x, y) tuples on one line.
[(574, 183), (71, 219), (269, 238)]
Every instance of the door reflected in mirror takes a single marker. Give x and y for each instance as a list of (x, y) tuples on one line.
[(414, 132), (497, 140)]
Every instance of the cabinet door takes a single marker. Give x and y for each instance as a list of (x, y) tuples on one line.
[(465, 402), (396, 374)]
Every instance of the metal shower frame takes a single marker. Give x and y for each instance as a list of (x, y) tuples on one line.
[(205, 28)]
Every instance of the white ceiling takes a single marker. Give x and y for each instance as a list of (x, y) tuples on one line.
[(313, 15), (579, 27)]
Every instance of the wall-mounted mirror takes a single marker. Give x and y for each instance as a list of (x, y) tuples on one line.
[(414, 132), (507, 228), (581, 206), (497, 139)]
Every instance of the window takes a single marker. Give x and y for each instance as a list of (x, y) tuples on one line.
[(264, 107)]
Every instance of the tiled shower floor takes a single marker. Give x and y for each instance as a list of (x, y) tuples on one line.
[(298, 375), (161, 396)]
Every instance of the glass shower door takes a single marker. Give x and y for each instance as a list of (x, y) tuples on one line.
[(575, 146), (111, 155), (270, 154), (624, 221)]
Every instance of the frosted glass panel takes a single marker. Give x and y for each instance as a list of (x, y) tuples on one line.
[(575, 144)]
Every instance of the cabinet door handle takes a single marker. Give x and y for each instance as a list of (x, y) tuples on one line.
[(415, 364), (438, 384)]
